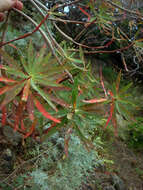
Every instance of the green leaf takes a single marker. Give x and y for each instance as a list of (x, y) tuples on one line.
[(138, 44), (126, 102), (75, 93), (46, 82), (37, 62), (81, 55), (127, 114), (74, 60), (15, 72), (118, 82), (63, 112), (87, 143), (118, 107), (45, 64), (23, 61), (43, 94), (125, 88)]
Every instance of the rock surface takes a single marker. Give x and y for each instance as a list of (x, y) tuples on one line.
[(7, 158), (109, 188)]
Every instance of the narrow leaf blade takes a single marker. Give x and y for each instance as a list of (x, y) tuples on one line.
[(11, 94), (44, 112), (43, 94), (26, 91), (30, 107), (5, 79), (95, 100)]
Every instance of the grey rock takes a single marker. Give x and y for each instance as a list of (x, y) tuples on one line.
[(12, 136), (117, 182), (7, 154), (109, 188), (6, 161)]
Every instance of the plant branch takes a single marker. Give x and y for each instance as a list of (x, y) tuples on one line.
[(123, 9), (79, 44), (104, 51)]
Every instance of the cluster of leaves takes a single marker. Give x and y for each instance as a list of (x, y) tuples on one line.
[(27, 77), (37, 78), (58, 84), (37, 82)]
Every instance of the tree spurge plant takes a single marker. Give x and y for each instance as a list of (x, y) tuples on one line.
[(24, 83), (58, 85), (39, 83)]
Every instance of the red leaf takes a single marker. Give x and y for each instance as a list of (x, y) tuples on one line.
[(4, 79), (44, 112), (109, 43), (95, 100), (4, 114), (26, 91), (5, 89), (18, 115), (111, 94), (11, 93), (22, 126), (59, 101), (67, 138), (30, 107), (59, 88), (31, 129), (66, 145), (12, 45), (110, 116), (102, 83), (85, 13)]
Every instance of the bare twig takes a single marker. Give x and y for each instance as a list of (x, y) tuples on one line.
[(104, 51), (124, 9), (79, 44)]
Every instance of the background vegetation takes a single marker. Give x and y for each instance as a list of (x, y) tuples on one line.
[(71, 72)]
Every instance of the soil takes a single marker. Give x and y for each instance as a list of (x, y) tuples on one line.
[(128, 164)]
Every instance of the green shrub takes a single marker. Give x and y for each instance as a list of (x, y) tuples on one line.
[(135, 137), (57, 172)]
